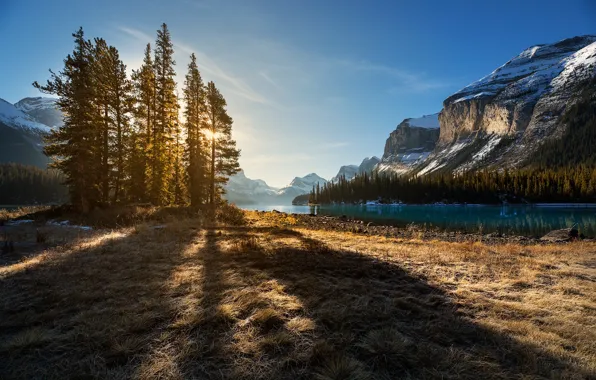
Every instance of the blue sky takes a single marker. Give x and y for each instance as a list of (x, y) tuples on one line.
[(311, 85)]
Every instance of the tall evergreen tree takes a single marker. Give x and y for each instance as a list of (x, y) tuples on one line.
[(166, 118), (74, 146), (113, 99), (142, 138), (101, 74), (194, 112), (120, 104), (224, 155)]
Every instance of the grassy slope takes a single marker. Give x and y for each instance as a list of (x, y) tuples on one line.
[(270, 300)]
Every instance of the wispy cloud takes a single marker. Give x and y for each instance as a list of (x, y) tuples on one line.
[(135, 33), (207, 65), (406, 81), (265, 76)]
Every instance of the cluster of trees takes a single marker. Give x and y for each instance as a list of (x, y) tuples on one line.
[(572, 184), (124, 140), (25, 185)]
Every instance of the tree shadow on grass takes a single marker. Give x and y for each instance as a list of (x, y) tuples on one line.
[(319, 312), (242, 303), (92, 310)]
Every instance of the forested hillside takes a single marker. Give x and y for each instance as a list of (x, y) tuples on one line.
[(26, 185)]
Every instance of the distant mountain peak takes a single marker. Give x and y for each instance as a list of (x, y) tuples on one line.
[(15, 118), (42, 110)]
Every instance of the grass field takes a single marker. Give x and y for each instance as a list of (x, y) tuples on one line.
[(271, 300)]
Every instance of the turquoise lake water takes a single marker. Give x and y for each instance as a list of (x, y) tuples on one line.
[(510, 219)]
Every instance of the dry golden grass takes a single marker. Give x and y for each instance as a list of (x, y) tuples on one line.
[(269, 300)]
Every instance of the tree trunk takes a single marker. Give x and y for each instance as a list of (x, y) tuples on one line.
[(212, 192)]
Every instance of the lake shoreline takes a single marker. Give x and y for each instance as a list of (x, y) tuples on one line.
[(409, 231)]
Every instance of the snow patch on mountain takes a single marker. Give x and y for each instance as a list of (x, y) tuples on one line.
[(426, 121), (302, 185), (240, 184), (532, 72), (347, 171), (42, 109), (17, 119)]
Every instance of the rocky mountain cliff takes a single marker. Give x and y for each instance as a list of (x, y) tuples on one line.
[(501, 119), (410, 144), (349, 171)]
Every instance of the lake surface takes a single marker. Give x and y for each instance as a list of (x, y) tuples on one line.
[(509, 219)]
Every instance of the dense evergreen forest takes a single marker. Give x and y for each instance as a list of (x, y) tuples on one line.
[(532, 185), (27, 185), (124, 139)]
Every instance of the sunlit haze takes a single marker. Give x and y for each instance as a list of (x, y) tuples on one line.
[(311, 85)]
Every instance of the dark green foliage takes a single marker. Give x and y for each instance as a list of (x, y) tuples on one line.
[(122, 140), (303, 199), (74, 147), (224, 155), (141, 166), (26, 185), (165, 126), (576, 184), (196, 144)]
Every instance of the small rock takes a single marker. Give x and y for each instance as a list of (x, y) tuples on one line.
[(564, 234)]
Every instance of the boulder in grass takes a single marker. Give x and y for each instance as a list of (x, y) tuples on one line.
[(562, 235)]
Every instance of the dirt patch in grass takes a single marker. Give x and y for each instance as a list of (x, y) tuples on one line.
[(274, 301)]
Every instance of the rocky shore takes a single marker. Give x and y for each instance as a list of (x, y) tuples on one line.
[(346, 224)]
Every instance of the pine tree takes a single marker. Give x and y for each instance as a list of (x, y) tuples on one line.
[(194, 97), (73, 146), (177, 186), (142, 138), (113, 104), (165, 121), (120, 104), (224, 155), (101, 72)]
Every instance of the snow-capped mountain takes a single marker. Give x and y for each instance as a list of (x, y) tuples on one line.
[(410, 143), (501, 119), (40, 109), (368, 164), (239, 183), (350, 171), (243, 190), (346, 171), (301, 185), (13, 117), (21, 136)]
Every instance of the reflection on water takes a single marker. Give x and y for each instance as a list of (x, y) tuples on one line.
[(510, 219)]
